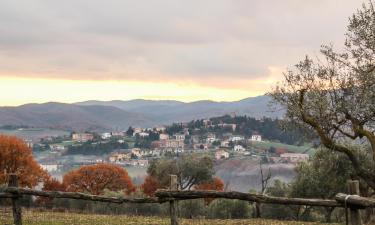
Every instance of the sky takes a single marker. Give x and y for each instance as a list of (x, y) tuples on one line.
[(222, 50)]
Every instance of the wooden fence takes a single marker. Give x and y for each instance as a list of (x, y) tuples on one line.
[(352, 202)]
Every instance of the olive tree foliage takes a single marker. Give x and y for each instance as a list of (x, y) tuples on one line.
[(334, 95), (190, 171)]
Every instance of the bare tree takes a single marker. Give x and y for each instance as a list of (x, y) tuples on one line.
[(334, 95), (265, 178)]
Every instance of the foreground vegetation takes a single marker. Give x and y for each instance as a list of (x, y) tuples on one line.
[(60, 218)]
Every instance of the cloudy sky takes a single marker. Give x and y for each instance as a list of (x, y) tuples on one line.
[(75, 50)]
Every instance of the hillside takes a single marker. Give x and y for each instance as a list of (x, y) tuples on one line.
[(165, 112), (70, 116), (106, 115)]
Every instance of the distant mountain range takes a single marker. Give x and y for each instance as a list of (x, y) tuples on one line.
[(106, 115)]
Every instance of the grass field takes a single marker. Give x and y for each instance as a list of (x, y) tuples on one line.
[(292, 148), (56, 218)]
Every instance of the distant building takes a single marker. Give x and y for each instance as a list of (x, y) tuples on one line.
[(138, 152), (143, 134), (160, 129), (256, 137), (221, 154), (82, 137), (171, 143), (137, 130), (29, 143), (294, 157), (57, 147), (106, 135), (179, 136), (117, 133), (237, 138), (163, 136), (50, 167), (119, 157), (225, 143), (239, 148), (228, 125), (200, 146)]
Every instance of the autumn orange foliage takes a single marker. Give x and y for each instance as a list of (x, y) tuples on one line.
[(50, 184), (216, 185), (95, 179), (149, 186), (17, 158)]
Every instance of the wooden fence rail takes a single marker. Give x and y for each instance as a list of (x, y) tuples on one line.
[(173, 195)]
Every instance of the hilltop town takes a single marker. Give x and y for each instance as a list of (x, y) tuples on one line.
[(225, 138)]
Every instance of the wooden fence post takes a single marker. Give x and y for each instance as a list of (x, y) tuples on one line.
[(173, 203), (355, 215), (17, 211)]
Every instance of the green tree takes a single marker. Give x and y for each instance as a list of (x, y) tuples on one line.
[(190, 170), (334, 96)]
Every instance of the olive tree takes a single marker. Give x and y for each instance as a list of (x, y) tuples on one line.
[(334, 94), (190, 171)]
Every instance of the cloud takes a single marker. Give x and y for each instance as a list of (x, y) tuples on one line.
[(210, 42)]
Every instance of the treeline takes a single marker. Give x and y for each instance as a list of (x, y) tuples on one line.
[(99, 148), (270, 129)]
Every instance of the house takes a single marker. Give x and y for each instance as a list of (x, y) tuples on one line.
[(171, 143), (225, 143), (294, 157), (106, 135), (138, 152), (50, 167), (117, 134), (137, 130), (228, 125), (82, 137), (29, 143), (143, 134), (57, 147), (186, 131), (237, 138), (179, 136), (119, 157), (221, 154), (256, 137), (160, 129), (239, 148), (210, 138), (163, 136)]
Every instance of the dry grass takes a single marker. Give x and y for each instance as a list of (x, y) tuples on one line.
[(58, 218)]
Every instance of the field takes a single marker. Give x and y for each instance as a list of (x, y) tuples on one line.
[(292, 148), (57, 218)]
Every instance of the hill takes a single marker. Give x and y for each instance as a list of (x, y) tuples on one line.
[(106, 115), (166, 112), (70, 116)]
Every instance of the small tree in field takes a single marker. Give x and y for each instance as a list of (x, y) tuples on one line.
[(95, 179), (17, 158), (335, 96), (190, 171)]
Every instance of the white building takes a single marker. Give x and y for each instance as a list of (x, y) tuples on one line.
[(221, 154), (106, 135), (239, 148), (294, 157), (50, 167), (163, 136), (179, 136), (256, 137), (143, 134), (237, 138), (57, 147)]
